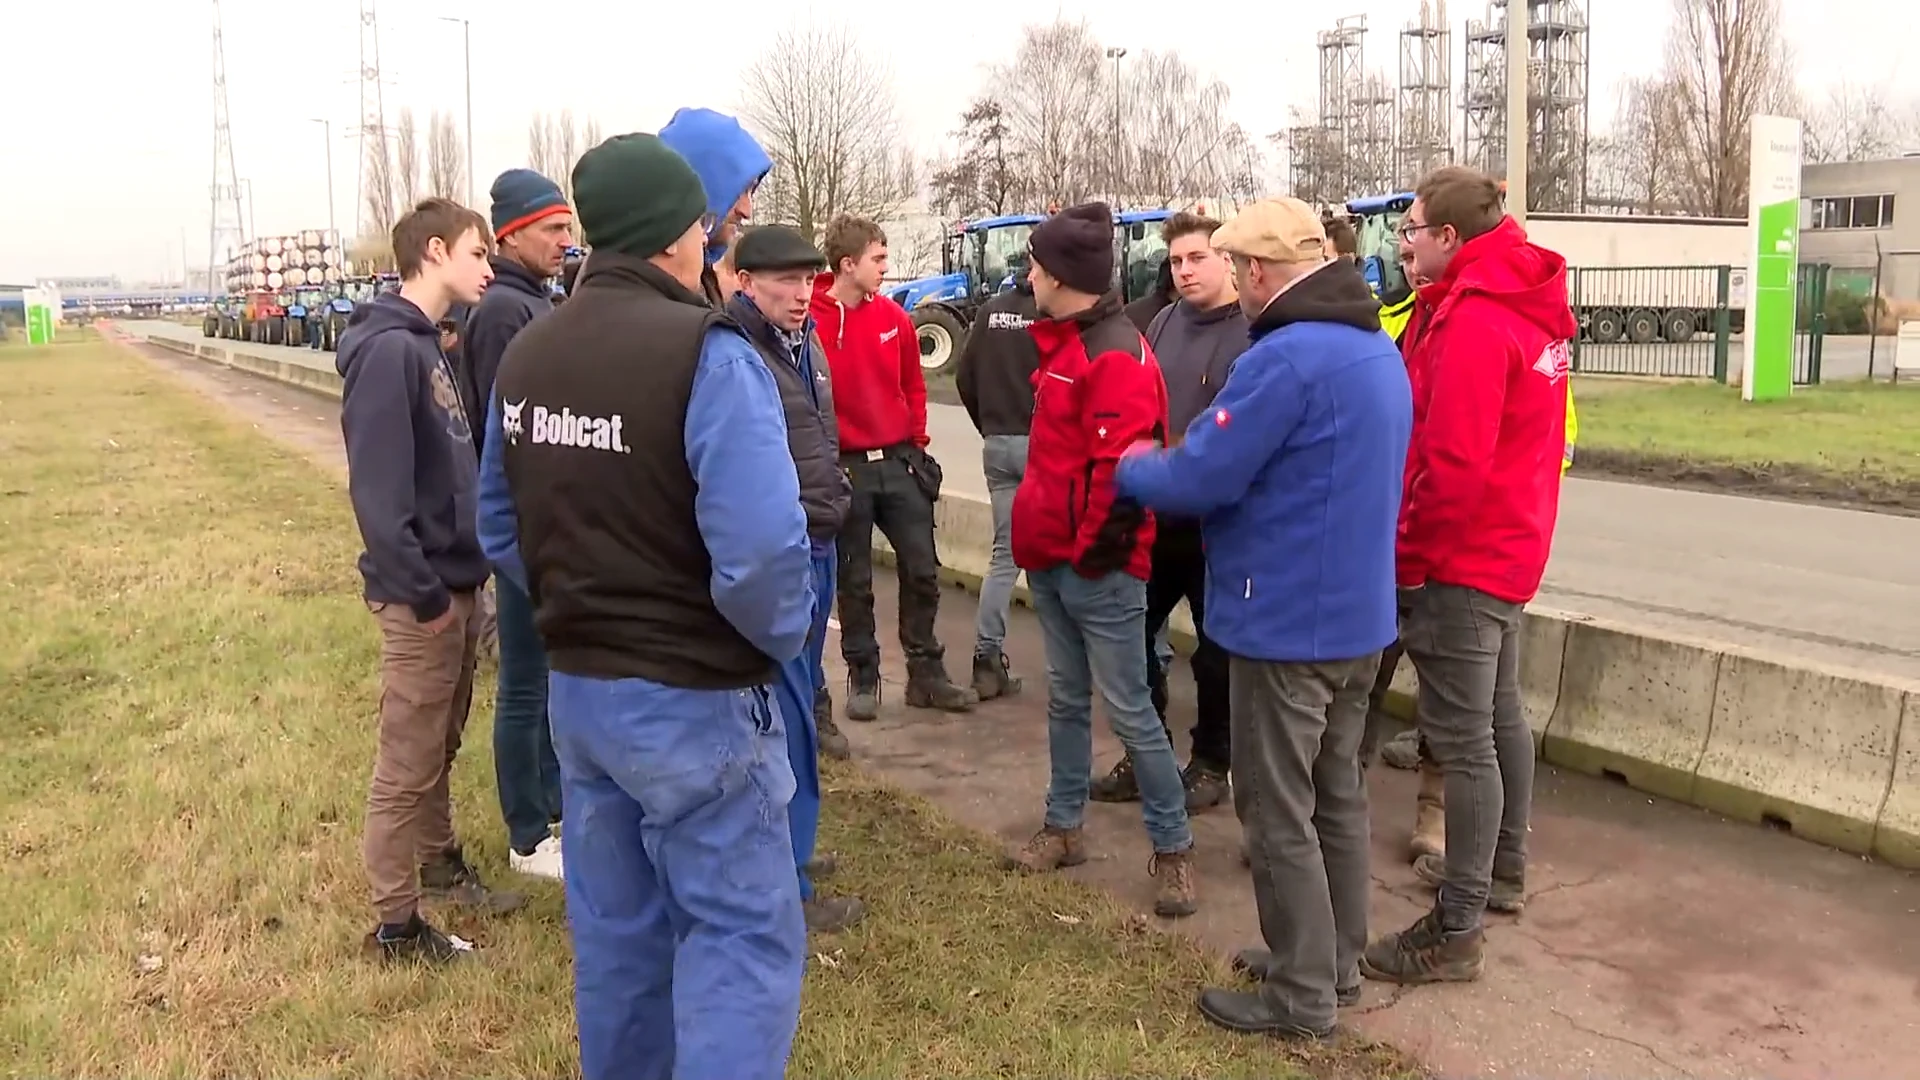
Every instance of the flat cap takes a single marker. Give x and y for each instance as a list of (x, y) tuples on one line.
[(775, 247), (1282, 230)]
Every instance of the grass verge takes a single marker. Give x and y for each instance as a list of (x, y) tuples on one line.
[(186, 709), (1850, 443)]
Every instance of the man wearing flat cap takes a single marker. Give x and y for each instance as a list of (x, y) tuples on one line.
[(1294, 472), (656, 520), (1088, 553), (774, 266)]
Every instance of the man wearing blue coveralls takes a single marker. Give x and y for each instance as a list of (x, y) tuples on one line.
[(639, 459)]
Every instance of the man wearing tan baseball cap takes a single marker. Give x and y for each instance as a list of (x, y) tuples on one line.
[(1294, 473)]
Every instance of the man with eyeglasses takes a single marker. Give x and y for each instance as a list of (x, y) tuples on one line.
[(730, 164)]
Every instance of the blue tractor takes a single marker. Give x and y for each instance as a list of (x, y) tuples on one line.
[(983, 257), (1376, 223)]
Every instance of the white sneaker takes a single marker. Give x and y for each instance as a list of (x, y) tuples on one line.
[(544, 862)]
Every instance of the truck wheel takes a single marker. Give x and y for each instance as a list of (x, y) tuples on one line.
[(1605, 327), (1642, 326), (940, 337), (1678, 325)]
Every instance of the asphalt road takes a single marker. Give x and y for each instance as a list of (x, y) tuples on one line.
[(1837, 586)]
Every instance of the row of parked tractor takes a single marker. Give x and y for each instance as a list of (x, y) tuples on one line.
[(313, 316)]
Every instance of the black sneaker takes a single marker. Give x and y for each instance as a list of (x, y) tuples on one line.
[(1118, 786), (449, 880), (863, 695), (419, 942)]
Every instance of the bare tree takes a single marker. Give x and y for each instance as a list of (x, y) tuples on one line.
[(378, 181), (1727, 63), (446, 158), (1631, 168), (1058, 112), (987, 177), (1179, 142), (1855, 124), (590, 136), (406, 160), (828, 117)]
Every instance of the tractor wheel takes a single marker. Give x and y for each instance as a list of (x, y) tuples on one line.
[(941, 336)]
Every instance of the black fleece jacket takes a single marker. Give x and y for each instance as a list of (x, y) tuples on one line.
[(514, 299), (994, 374)]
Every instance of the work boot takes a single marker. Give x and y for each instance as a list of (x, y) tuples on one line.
[(832, 914), (863, 693), (1178, 881), (1403, 750), (1049, 849), (1430, 814), (1425, 953), (991, 679), (1253, 964), (1251, 1014), (827, 733), (1118, 785), (928, 687), (449, 880), (417, 941), (1206, 786), (822, 865), (1508, 895)]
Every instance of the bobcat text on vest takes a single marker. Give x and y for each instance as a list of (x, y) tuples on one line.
[(563, 428)]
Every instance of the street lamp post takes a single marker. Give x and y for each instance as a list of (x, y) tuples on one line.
[(327, 127), (466, 48), (1114, 53)]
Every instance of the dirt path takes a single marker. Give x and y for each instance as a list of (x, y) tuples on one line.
[(1659, 942)]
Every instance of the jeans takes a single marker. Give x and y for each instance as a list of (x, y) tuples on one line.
[(1094, 630), (1465, 647), (1180, 573), (824, 572), (688, 938), (886, 495), (1004, 460), (793, 690), (524, 766), (1303, 806)]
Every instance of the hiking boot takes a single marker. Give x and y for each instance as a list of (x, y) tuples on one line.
[(1253, 964), (863, 694), (449, 880), (928, 687), (822, 865), (1425, 953), (1049, 849), (832, 914), (1206, 786), (1174, 873), (415, 941), (1118, 785), (1251, 1014), (826, 733), (1430, 815), (991, 679), (1508, 894), (1403, 750)]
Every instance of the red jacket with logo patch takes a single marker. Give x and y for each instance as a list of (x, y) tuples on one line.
[(873, 353), (1097, 391), (1487, 357)]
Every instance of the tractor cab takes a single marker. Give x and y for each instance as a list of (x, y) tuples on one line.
[(1376, 223), (1139, 251), (978, 260)]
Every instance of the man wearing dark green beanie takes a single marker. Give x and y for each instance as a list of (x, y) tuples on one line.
[(654, 512)]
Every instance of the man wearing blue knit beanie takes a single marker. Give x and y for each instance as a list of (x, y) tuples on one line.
[(532, 227)]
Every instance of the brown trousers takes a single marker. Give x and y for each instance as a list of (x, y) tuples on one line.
[(426, 690)]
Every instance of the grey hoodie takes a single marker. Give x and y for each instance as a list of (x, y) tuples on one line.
[(1196, 350)]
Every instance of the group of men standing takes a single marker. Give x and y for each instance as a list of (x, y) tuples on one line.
[(1320, 490)]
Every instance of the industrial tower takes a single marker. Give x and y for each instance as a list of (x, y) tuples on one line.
[(1557, 104), (373, 118), (224, 190), (1426, 95)]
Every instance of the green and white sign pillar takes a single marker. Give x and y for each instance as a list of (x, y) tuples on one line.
[(40, 316), (1773, 229)]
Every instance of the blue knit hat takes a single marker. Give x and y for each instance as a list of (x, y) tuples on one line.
[(522, 197)]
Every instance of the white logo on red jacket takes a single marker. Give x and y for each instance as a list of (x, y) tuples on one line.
[(889, 335), (1554, 361)]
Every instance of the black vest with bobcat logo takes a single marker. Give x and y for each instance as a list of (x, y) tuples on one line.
[(593, 405)]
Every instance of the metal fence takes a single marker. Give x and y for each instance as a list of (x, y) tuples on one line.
[(1682, 321)]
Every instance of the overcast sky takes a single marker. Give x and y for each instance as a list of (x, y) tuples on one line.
[(112, 177)]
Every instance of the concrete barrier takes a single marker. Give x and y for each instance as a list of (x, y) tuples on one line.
[(1833, 756)]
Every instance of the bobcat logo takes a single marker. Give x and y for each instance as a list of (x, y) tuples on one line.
[(510, 423)]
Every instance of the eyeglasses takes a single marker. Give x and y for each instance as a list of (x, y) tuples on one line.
[(1407, 229), (708, 223)]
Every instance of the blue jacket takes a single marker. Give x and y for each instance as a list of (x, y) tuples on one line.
[(1295, 471), (727, 159)]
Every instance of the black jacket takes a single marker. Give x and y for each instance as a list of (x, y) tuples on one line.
[(411, 469), (994, 374), (1196, 350), (806, 393), (514, 299)]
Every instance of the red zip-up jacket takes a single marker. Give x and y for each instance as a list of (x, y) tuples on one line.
[(873, 354), (1097, 391), (1487, 357)]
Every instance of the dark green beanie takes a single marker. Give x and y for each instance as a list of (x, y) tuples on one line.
[(635, 195)]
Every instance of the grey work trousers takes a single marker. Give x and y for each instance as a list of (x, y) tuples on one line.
[(1303, 807), (1465, 648)]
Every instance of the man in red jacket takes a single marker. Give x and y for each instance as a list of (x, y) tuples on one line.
[(1087, 554), (880, 401), (1488, 362)]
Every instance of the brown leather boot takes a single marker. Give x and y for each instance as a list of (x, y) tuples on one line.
[(1178, 881), (1430, 814), (1049, 849)]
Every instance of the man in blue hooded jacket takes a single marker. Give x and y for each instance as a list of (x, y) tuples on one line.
[(637, 479), (731, 165)]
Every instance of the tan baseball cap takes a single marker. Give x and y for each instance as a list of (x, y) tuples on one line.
[(1282, 230)]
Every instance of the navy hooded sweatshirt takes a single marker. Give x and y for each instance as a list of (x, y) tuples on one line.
[(411, 470)]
